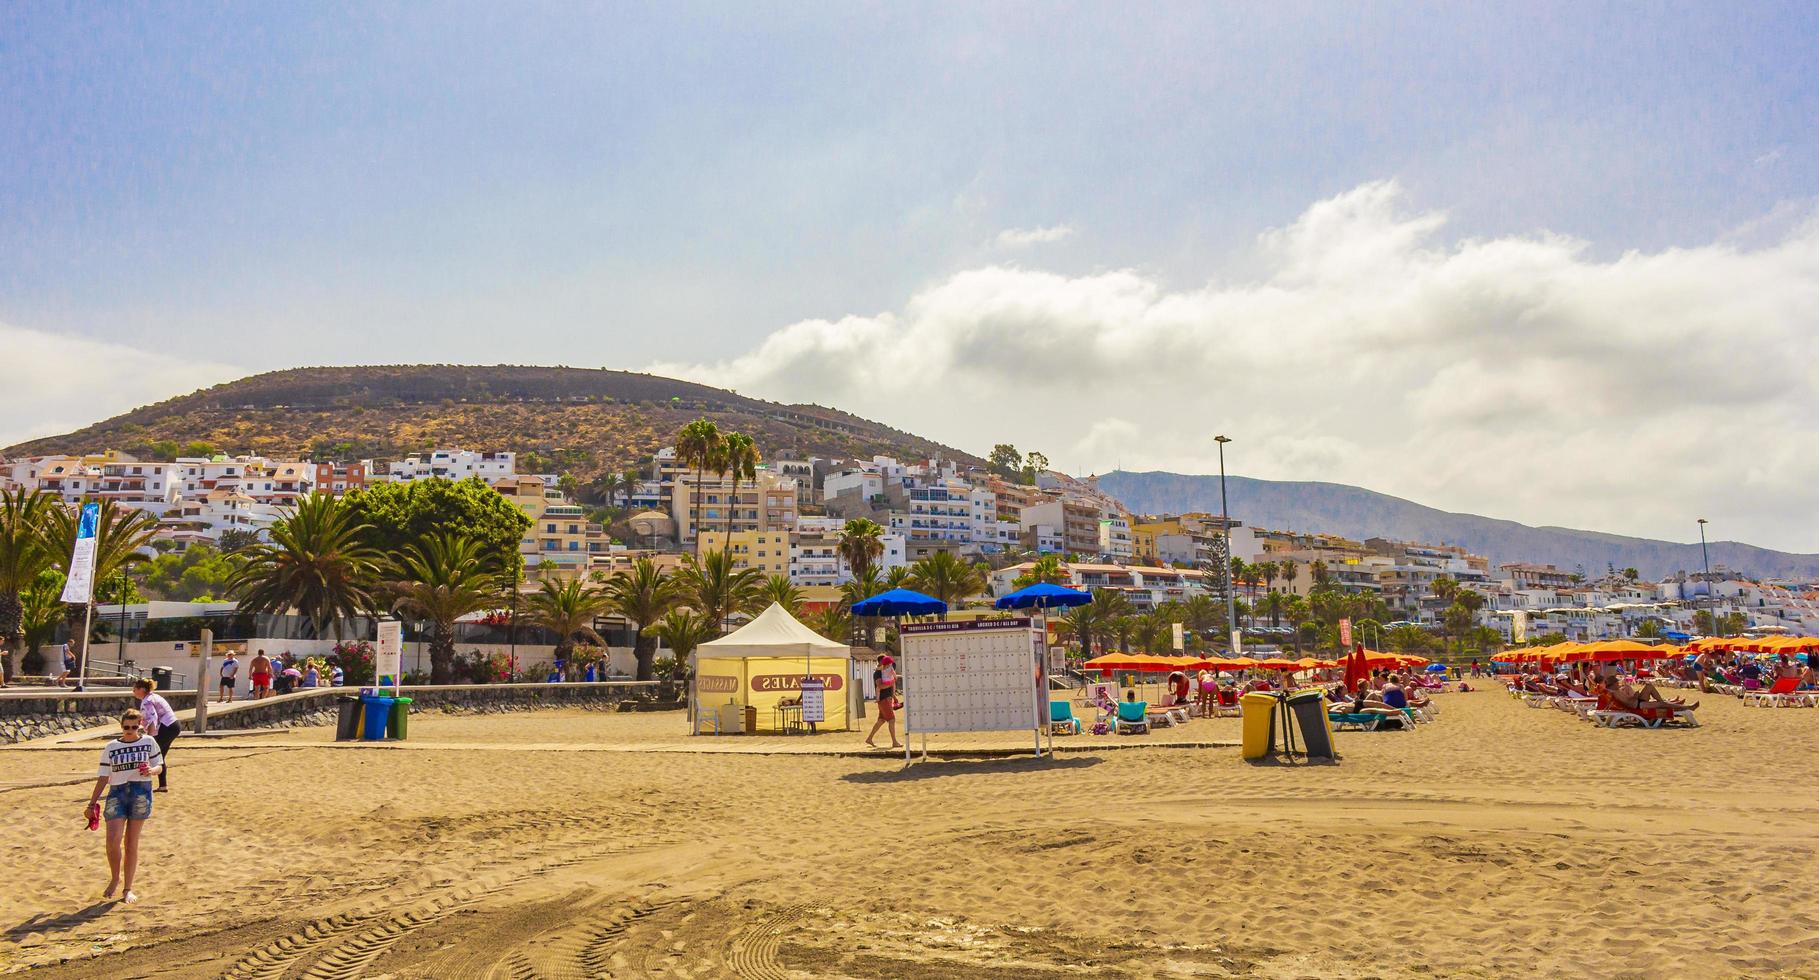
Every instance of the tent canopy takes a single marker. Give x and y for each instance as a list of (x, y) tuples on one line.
[(775, 633)]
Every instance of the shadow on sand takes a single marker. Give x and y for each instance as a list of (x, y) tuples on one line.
[(939, 768), (42, 923)]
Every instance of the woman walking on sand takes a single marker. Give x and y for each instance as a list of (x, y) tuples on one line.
[(885, 680), (128, 764), (160, 721)]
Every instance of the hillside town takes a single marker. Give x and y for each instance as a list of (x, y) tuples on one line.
[(785, 520)]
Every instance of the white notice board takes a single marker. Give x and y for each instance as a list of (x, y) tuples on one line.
[(814, 704), (978, 676), (388, 656)]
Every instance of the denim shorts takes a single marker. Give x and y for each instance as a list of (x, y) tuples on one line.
[(128, 801)]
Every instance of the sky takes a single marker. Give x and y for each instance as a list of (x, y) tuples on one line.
[(1556, 263)]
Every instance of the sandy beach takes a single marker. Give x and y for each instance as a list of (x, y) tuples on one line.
[(1501, 840)]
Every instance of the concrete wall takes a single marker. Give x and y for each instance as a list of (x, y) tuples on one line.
[(177, 657)]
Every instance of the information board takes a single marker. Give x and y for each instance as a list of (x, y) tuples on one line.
[(814, 709), (388, 655), (977, 676)]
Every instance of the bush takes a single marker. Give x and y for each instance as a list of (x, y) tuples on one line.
[(356, 660)]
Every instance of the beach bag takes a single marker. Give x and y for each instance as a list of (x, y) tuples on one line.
[(1101, 728)]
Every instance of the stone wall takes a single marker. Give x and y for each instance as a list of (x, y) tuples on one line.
[(28, 717)]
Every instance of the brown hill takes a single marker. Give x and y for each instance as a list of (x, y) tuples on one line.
[(563, 419)]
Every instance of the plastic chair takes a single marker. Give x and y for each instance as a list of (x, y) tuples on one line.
[(1061, 720), (1133, 717)]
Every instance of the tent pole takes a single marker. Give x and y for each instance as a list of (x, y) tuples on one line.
[(902, 672)]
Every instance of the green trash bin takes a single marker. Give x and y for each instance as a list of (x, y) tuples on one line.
[(400, 720)]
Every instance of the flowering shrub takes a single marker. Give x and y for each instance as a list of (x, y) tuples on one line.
[(482, 668), (356, 660)]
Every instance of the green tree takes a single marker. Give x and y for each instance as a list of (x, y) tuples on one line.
[(235, 540), (1631, 574), (1151, 631), (698, 445), (897, 577), (833, 622), (1046, 570), (1034, 465), (319, 562), (120, 533), (439, 580), (946, 577), (1274, 603), (1079, 622), (567, 609), (682, 630), (41, 612), (1005, 461), (780, 590), (1108, 608), (188, 575), (23, 558), (861, 544), (642, 595), (1289, 573), (398, 515), (1456, 619), (739, 457), (715, 588)]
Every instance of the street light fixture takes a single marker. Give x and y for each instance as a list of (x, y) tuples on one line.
[(1225, 521)]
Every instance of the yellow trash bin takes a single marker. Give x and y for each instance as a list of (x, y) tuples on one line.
[(1259, 708)]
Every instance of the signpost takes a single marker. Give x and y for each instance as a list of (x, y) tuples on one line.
[(388, 655), (814, 708), (80, 586)]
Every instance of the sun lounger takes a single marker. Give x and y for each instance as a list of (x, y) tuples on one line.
[(1651, 718), (1371, 721), (1168, 715), (1227, 706), (1782, 694), (1061, 720), (1133, 718)]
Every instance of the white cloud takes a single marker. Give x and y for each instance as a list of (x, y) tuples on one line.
[(1514, 377), (1020, 237), (55, 384)]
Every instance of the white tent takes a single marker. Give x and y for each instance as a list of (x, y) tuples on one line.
[(764, 662)]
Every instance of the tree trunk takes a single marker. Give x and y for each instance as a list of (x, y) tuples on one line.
[(442, 654), (645, 649), (12, 633)]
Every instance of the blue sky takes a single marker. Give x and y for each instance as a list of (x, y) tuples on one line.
[(205, 190)]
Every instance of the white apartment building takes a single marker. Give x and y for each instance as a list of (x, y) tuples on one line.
[(453, 464), (1115, 538), (218, 510), (815, 553)]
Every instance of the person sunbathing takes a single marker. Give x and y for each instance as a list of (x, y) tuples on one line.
[(1644, 697)]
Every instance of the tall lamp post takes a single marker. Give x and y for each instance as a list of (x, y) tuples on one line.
[(1706, 557), (1225, 520)]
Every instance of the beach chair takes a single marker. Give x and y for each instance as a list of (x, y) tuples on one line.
[(1167, 715), (1365, 722), (1782, 694), (1227, 705), (1061, 720), (1133, 718)]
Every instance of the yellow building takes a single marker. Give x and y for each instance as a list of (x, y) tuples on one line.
[(766, 551)]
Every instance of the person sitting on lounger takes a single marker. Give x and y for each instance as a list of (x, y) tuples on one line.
[(1392, 693), (1644, 697)]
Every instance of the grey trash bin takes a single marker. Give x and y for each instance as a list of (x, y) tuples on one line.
[(1309, 712), (347, 719), (161, 678)]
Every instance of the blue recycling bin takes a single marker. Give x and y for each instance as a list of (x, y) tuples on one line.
[(377, 709)]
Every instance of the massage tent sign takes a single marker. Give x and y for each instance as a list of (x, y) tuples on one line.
[(978, 676)]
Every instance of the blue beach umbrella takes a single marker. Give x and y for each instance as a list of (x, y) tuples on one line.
[(899, 602), (1042, 595), (1436, 668)]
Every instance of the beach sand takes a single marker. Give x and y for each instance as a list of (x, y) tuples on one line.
[(1501, 840)]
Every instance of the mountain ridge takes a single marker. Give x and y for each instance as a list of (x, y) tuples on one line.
[(582, 420), (1358, 513)]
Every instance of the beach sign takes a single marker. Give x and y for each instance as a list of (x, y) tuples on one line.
[(1345, 632), (814, 705), (1180, 636), (80, 586), (388, 655)]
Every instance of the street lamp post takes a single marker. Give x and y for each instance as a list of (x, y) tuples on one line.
[(1225, 520), (1706, 557)]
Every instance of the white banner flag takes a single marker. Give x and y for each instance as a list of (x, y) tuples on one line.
[(80, 586)]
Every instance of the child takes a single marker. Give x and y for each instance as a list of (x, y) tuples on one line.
[(128, 764)]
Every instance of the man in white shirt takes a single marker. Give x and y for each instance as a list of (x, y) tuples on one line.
[(230, 671)]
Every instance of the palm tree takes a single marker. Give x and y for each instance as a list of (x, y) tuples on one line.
[(1107, 608), (1266, 571), (861, 543), (317, 562), (861, 588), (698, 445), (41, 609), (22, 558), (1079, 622), (1274, 603), (713, 587), (1287, 569), (441, 578), (643, 595), (897, 577), (1150, 630), (568, 610), (780, 590), (681, 631), (739, 457), (833, 622), (1046, 570), (946, 577), (120, 533)]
